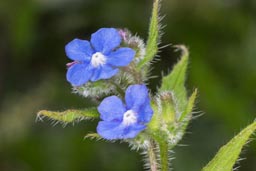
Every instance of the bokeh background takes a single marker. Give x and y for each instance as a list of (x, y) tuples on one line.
[(221, 36)]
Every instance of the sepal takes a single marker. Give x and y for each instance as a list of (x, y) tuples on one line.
[(96, 89)]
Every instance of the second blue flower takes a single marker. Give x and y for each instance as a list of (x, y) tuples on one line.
[(123, 121)]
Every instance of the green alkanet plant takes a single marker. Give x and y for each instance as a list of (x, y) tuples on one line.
[(115, 65)]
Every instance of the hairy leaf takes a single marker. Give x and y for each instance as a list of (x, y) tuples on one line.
[(153, 36), (175, 81), (229, 153), (190, 105), (69, 115)]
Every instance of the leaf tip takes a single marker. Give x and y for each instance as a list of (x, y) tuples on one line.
[(184, 50)]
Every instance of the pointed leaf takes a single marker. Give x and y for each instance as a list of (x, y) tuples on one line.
[(176, 79), (153, 36), (228, 154), (69, 115), (189, 108)]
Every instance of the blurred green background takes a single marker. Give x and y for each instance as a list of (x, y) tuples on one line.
[(221, 36)]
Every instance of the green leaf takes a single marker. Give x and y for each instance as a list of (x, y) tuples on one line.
[(153, 37), (69, 115), (190, 106), (228, 154), (175, 81)]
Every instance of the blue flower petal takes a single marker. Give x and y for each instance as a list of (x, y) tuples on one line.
[(121, 57), (110, 130), (79, 50), (111, 108), (115, 130), (104, 72), (106, 40), (145, 112), (108, 72), (133, 130), (135, 96), (79, 74)]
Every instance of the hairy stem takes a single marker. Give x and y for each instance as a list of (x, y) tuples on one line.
[(152, 156), (163, 146), (118, 88)]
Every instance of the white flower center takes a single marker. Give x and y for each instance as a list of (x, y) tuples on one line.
[(129, 117), (98, 59)]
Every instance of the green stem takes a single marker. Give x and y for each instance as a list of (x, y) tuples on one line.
[(152, 156), (163, 146), (118, 88)]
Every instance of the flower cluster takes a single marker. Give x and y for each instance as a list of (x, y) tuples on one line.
[(100, 59)]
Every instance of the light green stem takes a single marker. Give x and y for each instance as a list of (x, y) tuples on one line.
[(152, 156), (163, 146)]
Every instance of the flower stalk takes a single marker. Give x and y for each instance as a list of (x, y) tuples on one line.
[(164, 157), (118, 88), (152, 156)]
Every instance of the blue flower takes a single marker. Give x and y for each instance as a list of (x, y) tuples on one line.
[(122, 121), (97, 59)]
